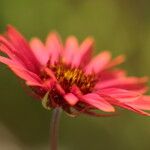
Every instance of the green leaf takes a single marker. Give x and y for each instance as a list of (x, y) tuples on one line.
[(45, 101)]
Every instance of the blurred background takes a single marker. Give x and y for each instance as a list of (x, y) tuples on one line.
[(122, 26)]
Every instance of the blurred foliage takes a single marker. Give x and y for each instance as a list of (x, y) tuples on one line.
[(122, 26)]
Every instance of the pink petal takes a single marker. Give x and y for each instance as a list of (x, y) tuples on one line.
[(21, 72), (112, 74), (25, 74), (47, 84), (141, 103), (98, 63), (60, 89), (120, 94), (21, 45), (9, 50), (83, 56), (71, 48), (118, 60), (95, 100), (132, 108), (54, 47), (6, 48), (125, 105), (128, 83), (50, 73), (31, 83), (106, 84), (95, 114), (9, 62), (76, 90), (71, 99), (39, 51)]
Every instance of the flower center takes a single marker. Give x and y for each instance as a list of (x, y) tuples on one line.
[(67, 77)]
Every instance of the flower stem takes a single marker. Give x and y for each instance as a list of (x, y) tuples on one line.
[(54, 129)]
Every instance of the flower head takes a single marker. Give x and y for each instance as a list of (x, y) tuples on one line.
[(67, 76)]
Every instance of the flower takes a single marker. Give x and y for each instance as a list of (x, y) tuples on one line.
[(67, 76)]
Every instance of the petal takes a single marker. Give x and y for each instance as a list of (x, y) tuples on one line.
[(25, 74), (31, 83), (71, 48), (126, 105), (39, 51), (9, 50), (118, 60), (50, 73), (141, 103), (120, 94), (60, 89), (95, 114), (21, 45), (21, 72), (130, 83), (112, 74), (9, 62), (132, 108), (95, 100), (47, 84), (98, 63), (54, 47), (71, 99), (83, 56), (6, 48)]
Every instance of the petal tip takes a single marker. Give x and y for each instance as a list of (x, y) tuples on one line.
[(71, 99)]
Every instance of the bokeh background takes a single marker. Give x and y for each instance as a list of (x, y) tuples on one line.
[(122, 26)]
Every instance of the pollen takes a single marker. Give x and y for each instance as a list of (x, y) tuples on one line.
[(67, 77)]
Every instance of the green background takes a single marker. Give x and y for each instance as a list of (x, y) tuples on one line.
[(122, 26)]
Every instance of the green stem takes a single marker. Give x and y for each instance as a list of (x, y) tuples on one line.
[(54, 128)]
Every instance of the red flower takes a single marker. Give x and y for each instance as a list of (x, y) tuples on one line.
[(66, 76)]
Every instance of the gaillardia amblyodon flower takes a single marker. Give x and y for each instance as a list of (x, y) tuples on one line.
[(66, 76)]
